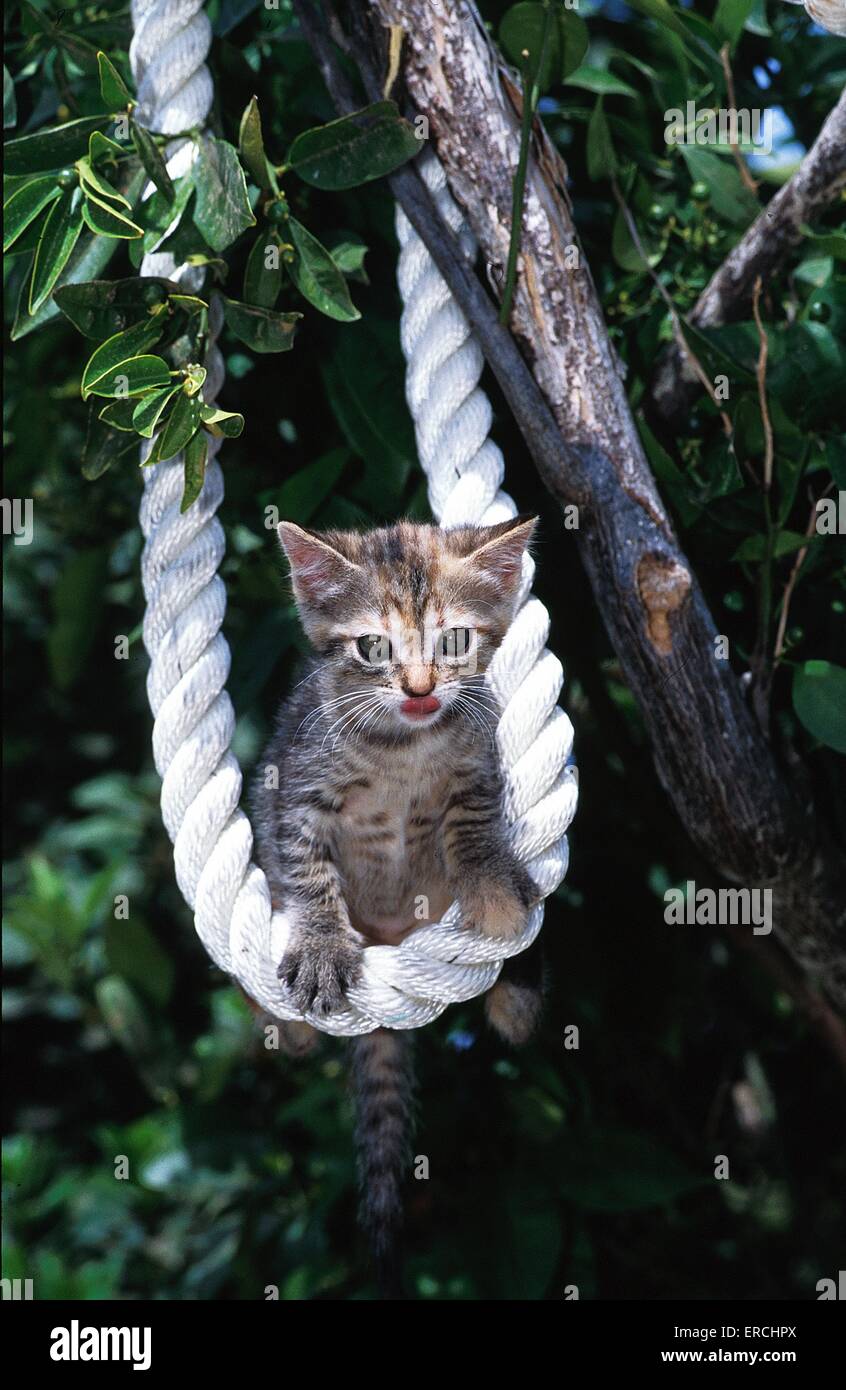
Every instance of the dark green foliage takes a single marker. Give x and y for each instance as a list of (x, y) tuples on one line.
[(551, 1166)]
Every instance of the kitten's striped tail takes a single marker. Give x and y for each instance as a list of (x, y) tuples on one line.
[(382, 1074)]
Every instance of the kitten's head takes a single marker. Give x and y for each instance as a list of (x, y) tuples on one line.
[(407, 616)]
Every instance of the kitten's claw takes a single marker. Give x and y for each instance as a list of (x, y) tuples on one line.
[(318, 969)]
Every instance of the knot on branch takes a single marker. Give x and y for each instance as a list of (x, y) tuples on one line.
[(663, 585)]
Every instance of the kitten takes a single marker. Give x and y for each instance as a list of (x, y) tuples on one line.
[(387, 804)]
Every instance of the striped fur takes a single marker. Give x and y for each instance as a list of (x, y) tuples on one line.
[(372, 810), (382, 1075)]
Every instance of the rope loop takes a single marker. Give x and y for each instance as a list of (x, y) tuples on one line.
[(403, 986)]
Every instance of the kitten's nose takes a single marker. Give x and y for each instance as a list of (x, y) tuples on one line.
[(418, 680)]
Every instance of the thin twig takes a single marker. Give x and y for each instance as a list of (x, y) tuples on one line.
[(762, 669), (794, 574), (742, 166), (761, 374)]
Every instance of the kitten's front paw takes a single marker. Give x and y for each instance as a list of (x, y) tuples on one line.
[(319, 967), (499, 909)]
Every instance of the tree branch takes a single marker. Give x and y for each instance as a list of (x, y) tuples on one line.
[(711, 758), (760, 252)]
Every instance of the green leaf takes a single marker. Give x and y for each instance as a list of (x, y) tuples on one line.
[(196, 456), (251, 145), (349, 258), (757, 21), (663, 12), (191, 303), (152, 159), (729, 196), (357, 148), (103, 147), (77, 599), (24, 206), (626, 253), (182, 423), (827, 243), (10, 105), (102, 308), (601, 81), (363, 381), (263, 330), (114, 91), (601, 161), (222, 209), (62, 226), (147, 414), (112, 355), (262, 284), (819, 699), (317, 277), (134, 377), (730, 17), (160, 217), (51, 149), (106, 221), (95, 182), (118, 415), (522, 30), (106, 447), (88, 260), (134, 953), (753, 549), (162, 221), (58, 33), (300, 495), (227, 423), (124, 1016), (574, 38), (27, 242), (669, 476)]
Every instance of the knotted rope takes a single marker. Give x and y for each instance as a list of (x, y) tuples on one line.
[(410, 984)]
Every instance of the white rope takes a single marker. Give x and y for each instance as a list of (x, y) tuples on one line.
[(410, 984)]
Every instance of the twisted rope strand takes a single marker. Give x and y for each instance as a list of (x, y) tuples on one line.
[(407, 985)]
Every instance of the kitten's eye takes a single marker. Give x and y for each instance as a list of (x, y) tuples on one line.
[(374, 649), (454, 642)]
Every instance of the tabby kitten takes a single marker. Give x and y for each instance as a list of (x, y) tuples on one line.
[(387, 805)]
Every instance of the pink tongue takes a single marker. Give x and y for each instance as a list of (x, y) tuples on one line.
[(421, 704)]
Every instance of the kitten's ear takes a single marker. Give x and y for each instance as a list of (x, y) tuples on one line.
[(318, 570), (499, 555)]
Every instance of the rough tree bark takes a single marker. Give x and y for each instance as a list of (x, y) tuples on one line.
[(762, 250), (711, 757)]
